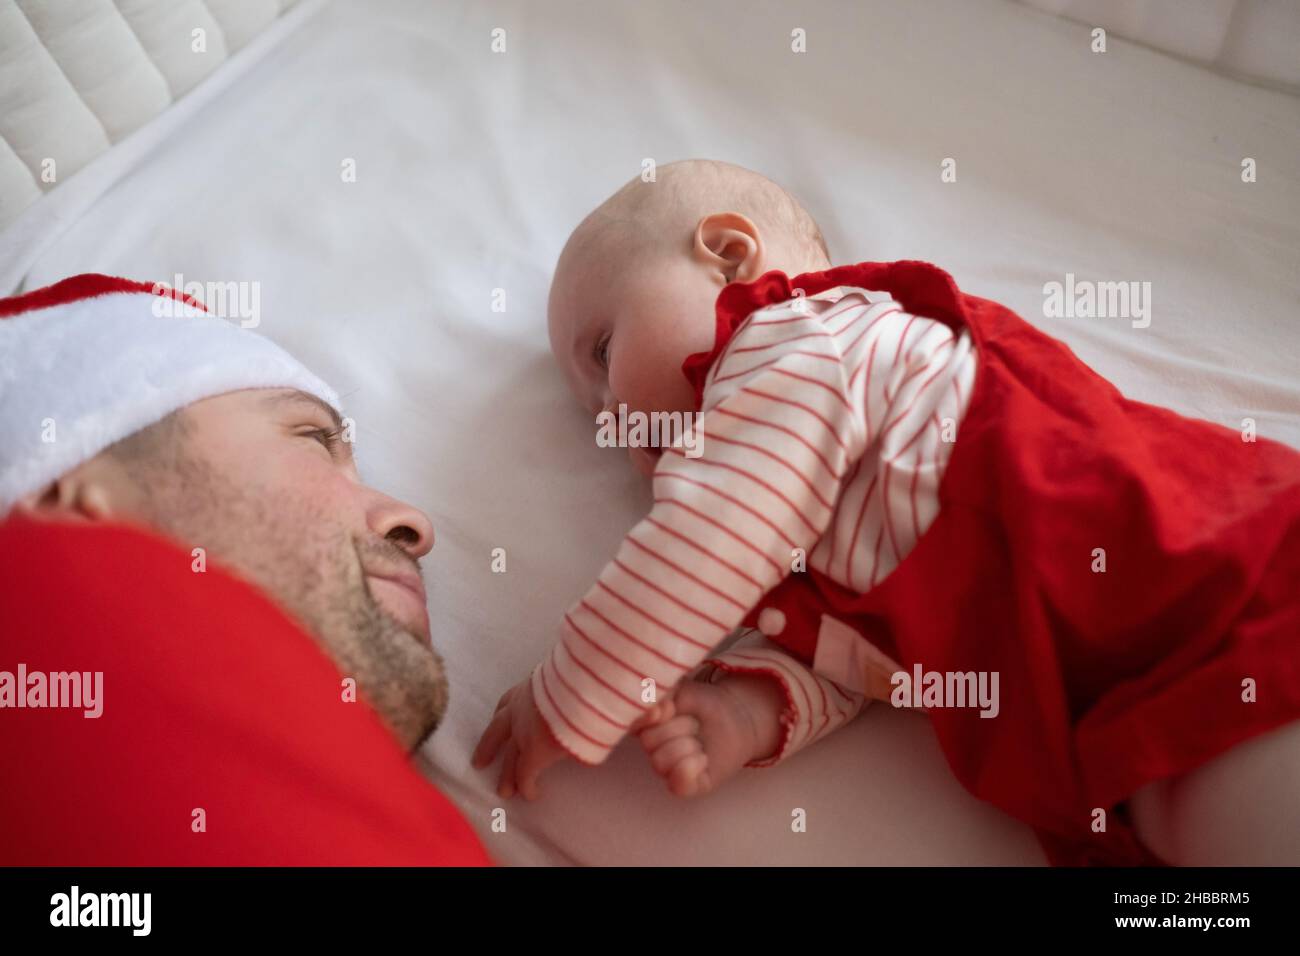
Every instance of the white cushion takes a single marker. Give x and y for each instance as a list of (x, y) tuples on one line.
[(79, 75)]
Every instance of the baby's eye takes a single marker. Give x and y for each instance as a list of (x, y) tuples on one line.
[(601, 351)]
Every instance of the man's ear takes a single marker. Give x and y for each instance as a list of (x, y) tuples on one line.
[(77, 494), (730, 243)]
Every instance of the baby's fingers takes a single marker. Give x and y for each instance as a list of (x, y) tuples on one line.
[(506, 782), (505, 699), (652, 738), (528, 768), (655, 714), (669, 754), (498, 731), (690, 777)]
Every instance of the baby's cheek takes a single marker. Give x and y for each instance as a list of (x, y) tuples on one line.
[(654, 384), (646, 373)]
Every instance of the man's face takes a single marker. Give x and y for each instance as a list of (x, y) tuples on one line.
[(262, 480)]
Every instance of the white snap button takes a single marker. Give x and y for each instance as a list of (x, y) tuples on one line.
[(771, 621)]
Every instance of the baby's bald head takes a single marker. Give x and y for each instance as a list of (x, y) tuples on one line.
[(667, 211)]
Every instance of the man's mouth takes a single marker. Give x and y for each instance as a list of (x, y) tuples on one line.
[(401, 594)]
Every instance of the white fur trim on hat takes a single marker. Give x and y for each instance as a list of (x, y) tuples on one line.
[(77, 376)]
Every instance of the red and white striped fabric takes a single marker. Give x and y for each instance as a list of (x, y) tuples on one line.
[(827, 424)]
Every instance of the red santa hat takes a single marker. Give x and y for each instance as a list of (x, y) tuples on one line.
[(92, 359)]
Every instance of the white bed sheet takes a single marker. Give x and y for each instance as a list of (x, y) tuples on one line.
[(472, 168)]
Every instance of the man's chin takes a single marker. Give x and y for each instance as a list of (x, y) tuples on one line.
[(419, 633), (410, 692)]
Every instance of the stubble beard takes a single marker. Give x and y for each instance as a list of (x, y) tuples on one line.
[(313, 570)]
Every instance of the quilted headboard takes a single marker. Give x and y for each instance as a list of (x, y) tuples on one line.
[(77, 76)]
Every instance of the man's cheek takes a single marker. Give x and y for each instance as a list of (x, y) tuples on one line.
[(305, 483)]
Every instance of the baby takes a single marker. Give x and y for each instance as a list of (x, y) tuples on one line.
[(911, 494)]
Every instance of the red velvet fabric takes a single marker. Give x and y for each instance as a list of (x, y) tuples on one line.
[(1108, 680), (213, 699)]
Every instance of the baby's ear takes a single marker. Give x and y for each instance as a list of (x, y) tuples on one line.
[(730, 243)]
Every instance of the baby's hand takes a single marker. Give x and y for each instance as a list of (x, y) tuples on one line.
[(705, 733), (529, 746)]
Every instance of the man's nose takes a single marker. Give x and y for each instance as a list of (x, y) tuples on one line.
[(403, 524)]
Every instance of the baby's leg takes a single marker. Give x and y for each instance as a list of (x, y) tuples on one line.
[(1240, 809), (758, 706)]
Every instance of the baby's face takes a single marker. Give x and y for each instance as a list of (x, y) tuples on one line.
[(622, 326)]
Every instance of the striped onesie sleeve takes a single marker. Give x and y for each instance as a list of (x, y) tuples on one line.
[(821, 441)]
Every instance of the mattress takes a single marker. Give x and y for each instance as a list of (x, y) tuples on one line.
[(78, 76), (471, 166)]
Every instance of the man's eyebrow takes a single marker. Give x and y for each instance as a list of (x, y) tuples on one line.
[(302, 398)]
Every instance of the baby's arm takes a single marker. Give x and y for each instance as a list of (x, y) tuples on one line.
[(778, 437), (812, 705), (752, 706)]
